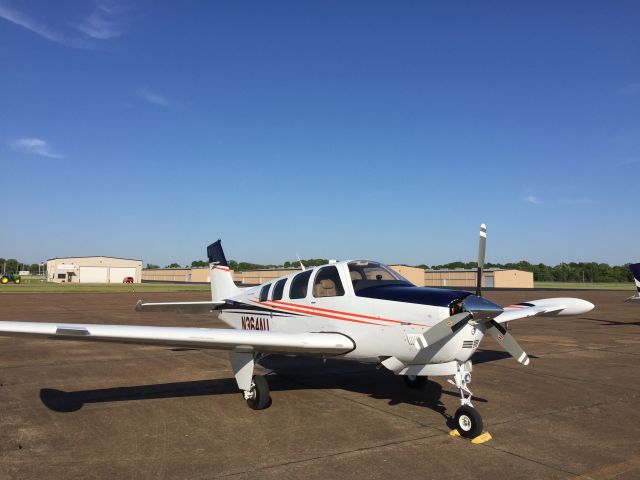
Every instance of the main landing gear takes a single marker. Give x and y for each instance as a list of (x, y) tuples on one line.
[(258, 397), (467, 419), (254, 388)]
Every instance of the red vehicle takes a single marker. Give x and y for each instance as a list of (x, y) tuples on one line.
[(127, 280)]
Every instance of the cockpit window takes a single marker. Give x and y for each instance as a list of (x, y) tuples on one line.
[(366, 274)]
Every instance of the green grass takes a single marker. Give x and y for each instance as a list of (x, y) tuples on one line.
[(585, 286), (101, 288)]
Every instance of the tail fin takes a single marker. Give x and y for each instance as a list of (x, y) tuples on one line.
[(222, 286), (635, 270)]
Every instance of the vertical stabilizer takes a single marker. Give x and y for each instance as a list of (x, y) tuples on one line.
[(222, 286), (635, 270)]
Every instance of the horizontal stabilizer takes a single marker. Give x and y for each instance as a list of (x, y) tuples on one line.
[(214, 338), (179, 307)]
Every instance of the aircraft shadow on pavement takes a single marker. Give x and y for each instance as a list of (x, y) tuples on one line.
[(289, 374), (611, 322)]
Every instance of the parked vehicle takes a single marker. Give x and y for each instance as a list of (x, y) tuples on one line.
[(9, 277), (127, 280)]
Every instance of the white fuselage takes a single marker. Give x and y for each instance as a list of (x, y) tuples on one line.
[(380, 328)]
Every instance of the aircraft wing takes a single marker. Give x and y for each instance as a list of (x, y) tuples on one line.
[(214, 338), (546, 307), (179, 307)]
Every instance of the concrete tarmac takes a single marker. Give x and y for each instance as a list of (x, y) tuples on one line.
[(98, 410)]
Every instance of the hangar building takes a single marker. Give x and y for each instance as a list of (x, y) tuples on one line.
[(93, 270), (193, 274), (466, 277)]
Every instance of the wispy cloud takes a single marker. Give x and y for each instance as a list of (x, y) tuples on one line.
[(34, 146), (39, 28), (102, 23), (631, 89), (532, 199), (153, 97)]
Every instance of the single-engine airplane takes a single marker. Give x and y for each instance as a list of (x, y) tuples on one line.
[(356, 310), (635, 270)]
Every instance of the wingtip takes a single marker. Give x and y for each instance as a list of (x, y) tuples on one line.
[(138, 307)]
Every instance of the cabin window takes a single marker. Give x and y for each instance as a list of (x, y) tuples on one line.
[(278, 289), (264, 293), (327, 283), (299, 285)]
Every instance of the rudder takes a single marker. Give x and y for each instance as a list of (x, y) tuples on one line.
[(635, 270), (222, 286)]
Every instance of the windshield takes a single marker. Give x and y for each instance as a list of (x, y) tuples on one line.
[(366, 274)]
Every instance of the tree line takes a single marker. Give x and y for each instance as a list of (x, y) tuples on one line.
[(563, 272), (13, 265)]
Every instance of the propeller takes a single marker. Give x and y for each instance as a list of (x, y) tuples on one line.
[(443, 329), (478, 309), (506, 341)]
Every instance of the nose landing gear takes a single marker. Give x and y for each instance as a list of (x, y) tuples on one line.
[(467, 419)]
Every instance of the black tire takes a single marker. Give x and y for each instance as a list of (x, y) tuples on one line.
[(468, 422), (412, 381), (4, 280), (262, 399)]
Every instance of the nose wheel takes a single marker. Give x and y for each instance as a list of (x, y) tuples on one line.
[(468, 421)]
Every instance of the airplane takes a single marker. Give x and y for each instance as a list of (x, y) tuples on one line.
[(635, 270), (357, 310)]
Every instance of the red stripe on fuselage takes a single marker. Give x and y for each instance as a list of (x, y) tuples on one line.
[(319, 314), (349, 314)]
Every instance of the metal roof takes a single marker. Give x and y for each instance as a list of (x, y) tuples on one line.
[(95, 256)]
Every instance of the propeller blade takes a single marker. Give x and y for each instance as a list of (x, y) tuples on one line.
[(506, 341), (482, 246), (443, 329)]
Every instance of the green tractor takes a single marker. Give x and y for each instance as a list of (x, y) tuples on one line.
[(9, 277)]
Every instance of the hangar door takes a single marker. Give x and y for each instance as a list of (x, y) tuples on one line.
[(93, 275), (117, 274)]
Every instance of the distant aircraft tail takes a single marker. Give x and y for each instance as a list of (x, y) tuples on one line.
[(635, 270), (222, 286)]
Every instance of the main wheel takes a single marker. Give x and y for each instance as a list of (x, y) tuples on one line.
[(412, 381), (4, 280), (260, 394), (468, 422)]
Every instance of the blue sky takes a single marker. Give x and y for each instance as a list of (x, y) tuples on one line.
[(385, 130)]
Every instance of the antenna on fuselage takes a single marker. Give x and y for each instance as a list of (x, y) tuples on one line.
[(301, 264), (482, 245)]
